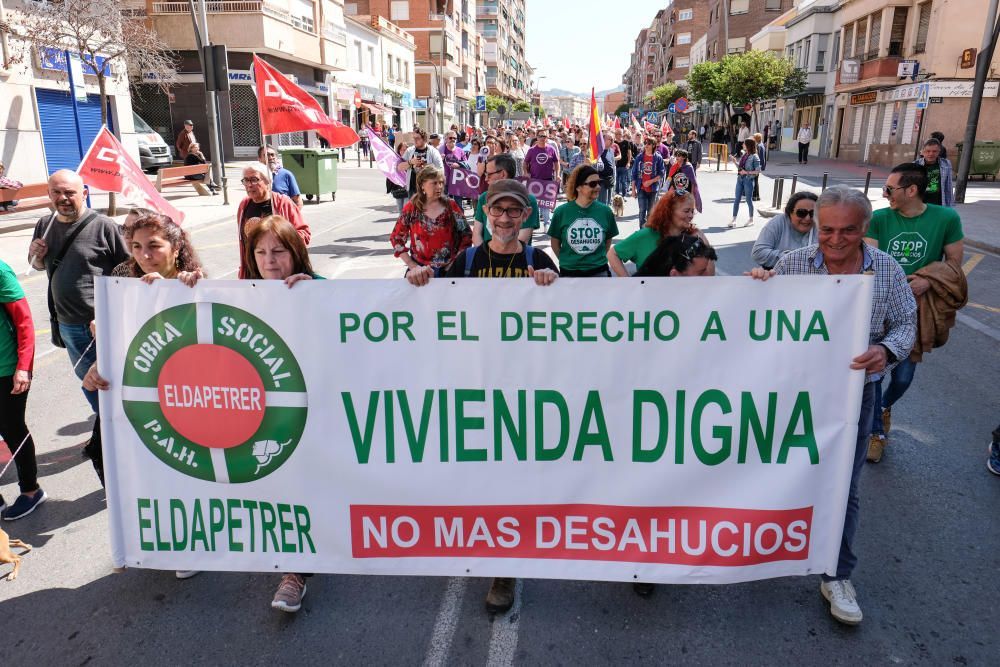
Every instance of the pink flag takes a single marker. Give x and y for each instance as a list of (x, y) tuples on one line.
[(107, 166), (386, 159)]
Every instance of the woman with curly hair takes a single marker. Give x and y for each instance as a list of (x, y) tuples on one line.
[(160, 248), (673, 215)]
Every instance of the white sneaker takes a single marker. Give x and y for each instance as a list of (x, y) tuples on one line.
[(732, 223), (186, 574), (843, 600), (749, 223)]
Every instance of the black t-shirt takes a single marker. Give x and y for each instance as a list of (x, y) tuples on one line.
[(626, 151), (489, 264), (255, 210), (420, 153)]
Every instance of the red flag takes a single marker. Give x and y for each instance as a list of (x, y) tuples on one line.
[(527, 123), (665, 128), (566, 122), (596, 146), (107, 166), (284, 107), (468, 132), (545, 121), (649, 126), (635, 123), (618, 124)]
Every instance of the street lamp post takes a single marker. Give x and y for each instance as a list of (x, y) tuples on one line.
[(440, 94), (538, 88)]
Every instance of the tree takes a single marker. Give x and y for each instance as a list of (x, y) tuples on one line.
[(538, 111), (663, 96), (622, 108), (102, 38), (521, 105), (492, 102), (746, 78)]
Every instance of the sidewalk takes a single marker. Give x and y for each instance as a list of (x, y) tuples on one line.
[(980, 214)]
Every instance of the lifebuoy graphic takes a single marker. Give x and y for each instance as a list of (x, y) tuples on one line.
[(214, 392)]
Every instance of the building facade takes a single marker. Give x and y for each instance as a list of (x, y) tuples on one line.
[(730, 32), (502, 26), (380, 66)]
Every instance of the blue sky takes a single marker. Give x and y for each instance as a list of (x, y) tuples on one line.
[(575, 49)]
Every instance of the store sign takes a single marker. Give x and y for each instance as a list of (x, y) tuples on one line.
[(865, 98), (850, 71), (937, 89), (54, 60)]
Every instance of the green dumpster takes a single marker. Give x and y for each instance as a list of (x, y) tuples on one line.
[(315, 169), (985, 159)]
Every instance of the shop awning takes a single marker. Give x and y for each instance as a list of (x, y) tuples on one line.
[(377, 109)]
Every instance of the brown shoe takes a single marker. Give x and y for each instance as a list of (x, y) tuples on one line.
[(876, 447), (501, 595), (886, 420), (290, 592)]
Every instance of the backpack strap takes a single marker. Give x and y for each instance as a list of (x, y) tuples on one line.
[(470, 256)]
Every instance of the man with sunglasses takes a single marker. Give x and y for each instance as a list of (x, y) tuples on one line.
[(498, 168), (916, 235)]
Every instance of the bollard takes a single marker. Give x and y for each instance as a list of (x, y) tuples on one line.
[(825, 176), (371, 158), (795, 180), (718, 161), (358, 149), (225, 189), (781, 192), (774, 192), (868, 181)]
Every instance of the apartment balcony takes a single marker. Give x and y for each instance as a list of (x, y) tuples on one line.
[(874, 72), (276, 26)]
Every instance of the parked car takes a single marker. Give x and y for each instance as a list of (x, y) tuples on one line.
[(153, 150)]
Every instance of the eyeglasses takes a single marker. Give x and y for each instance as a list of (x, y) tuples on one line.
[(513, 212), (803, 212), (251, 181), (272, 155), (593, 184), (494, 173)]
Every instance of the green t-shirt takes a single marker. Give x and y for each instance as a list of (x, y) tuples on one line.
[(480, 216), (10, 291), (583, 234), (638, 246), (915, 242)]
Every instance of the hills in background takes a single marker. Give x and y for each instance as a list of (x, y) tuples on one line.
[(559, 92)]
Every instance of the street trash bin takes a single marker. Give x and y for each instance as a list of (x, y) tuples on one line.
[(315, 169), (985, 159)]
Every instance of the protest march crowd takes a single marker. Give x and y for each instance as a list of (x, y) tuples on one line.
[(503, 178)]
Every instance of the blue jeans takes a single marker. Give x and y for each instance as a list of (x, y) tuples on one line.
[(77, 337), (605, 196), (899, 381), (646, 201), (400, 203), (622, 181), (544, 214), (848, 559), (744, 189)]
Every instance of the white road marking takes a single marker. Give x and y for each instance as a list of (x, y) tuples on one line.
[(986, 329), (446, 622), (503, 642)]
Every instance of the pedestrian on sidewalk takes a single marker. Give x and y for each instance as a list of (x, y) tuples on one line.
[(747, 166), (788, 231), (939, 231), (844, 215), (762, 154), (805, 136), (17, 360), (940, 184), (693, 148), (8, 184), (184, 139), (282, 180)]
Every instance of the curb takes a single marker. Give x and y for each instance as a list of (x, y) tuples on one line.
[(982, 245)]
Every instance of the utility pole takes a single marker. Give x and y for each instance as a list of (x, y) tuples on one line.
[(983, 60), (201, 37)]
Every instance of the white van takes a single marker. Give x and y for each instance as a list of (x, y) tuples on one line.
[(153, 150)]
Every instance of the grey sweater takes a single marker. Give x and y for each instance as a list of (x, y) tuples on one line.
[(777, 238)]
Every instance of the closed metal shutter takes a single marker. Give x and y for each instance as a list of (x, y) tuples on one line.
[(55, 111)]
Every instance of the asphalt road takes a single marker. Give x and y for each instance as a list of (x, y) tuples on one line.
[(929, 542)]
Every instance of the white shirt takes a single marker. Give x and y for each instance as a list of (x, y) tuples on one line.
[(805, 135), (744, 133)]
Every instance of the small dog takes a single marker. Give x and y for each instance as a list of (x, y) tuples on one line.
[(618, 205), (7, 555)]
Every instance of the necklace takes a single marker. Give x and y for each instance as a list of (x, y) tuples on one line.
[(489, 257)]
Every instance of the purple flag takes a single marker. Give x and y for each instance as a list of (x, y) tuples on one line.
[(463, 183), (386, 159)]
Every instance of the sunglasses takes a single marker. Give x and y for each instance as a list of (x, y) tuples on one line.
[(593, 184), (888, 189), (693, 249), (803, 212)]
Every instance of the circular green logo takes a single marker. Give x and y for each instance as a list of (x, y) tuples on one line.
[(214, 392)]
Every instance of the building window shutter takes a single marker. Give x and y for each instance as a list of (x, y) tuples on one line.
[(923, 27), (874, 35)]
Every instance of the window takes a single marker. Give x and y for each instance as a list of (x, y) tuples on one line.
[(302, 15), (836, 50), (351, 8), (897, 34), (859, 38), (772, 5), (684, 38), (406, 72), (685, 15), (737, 45), (874, 35), (923, 27), (682, 62), (399, 69), (371, 58), (739, 6), (356, 56), (399, 10), (388, 67), (822, 41)]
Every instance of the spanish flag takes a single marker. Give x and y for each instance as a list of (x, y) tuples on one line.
[(596, 138)]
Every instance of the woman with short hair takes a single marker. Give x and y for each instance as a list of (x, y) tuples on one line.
[(261, 202), (791, 230)]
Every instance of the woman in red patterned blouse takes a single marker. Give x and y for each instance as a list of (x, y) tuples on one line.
[(432, 230)]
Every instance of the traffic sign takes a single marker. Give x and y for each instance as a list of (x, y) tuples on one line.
[(923, 95), (672, 108), (652, 116), (480, 103), (357, 99), (682, 104)]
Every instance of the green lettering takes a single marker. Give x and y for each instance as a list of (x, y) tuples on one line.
[(444, 323), (144, 524), (749, 419), (302, 524), (216, 518), (817, 327), (562, 321), (267, 525), (675, 325), (642, 397), (545, 397), (287, 546), (503, 421), (802, 410), (348, 322), (402, 321), (766, 332), (251, 508), (362, 444), (593, 412), (416, 440), (161, 545), (536, 324), (604, 326), (586, 321), (443, 423), (198, 526), (177, 507), (462, 423), (791, 325), (390, 429), (516, 321), (713, 327), (233, 523), (679, 428), (723, 433)]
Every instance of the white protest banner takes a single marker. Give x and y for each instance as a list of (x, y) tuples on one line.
[(673, 430)]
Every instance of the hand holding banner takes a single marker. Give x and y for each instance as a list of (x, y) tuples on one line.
[(284, 107), (107, 166)]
